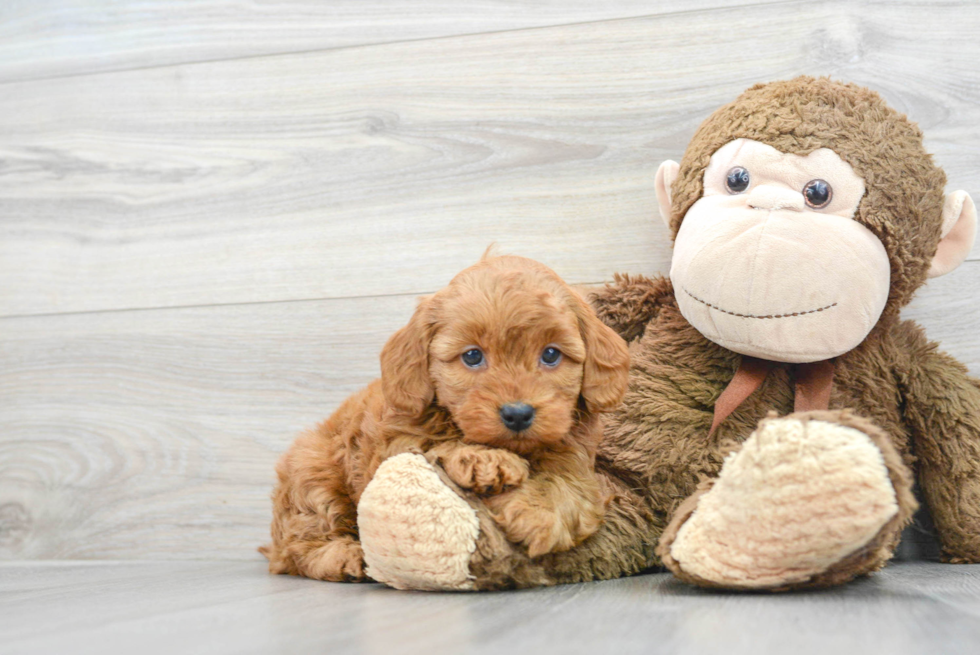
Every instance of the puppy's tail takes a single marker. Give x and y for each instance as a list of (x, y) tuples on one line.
[(277, 561)]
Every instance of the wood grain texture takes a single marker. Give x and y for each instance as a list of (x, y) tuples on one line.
[(221, 607), (55, 38), (153, 434), (382, 170)]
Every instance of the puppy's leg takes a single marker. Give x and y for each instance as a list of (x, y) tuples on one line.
[(314, 525), (559, 507), (478, 468)]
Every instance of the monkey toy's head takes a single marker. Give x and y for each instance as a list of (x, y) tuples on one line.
[(802, 213)]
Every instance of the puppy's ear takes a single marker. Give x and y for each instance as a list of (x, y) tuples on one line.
[(405, 378), (607, 361)]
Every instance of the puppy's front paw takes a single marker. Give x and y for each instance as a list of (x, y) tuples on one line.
[(485, 470), (544, 529), (540, 529)]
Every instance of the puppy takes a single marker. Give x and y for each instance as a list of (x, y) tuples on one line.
[(500, 378)]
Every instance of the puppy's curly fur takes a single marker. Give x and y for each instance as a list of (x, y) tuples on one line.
[(539, 482)]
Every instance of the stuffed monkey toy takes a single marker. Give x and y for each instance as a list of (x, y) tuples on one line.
[(779, 411)]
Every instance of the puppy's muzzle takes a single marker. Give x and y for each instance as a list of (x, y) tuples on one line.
[(517, 416)]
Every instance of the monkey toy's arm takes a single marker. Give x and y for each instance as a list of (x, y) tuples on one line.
[(942, 405), (629, 302)]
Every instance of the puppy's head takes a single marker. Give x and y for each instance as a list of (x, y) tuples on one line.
[(512, 352)]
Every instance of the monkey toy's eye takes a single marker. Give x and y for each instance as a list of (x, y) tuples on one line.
[(550, 357), (473, 357), (817, 193), (737, 180)]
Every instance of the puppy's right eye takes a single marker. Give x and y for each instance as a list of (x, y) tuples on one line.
[(550, 357), (473, 357)]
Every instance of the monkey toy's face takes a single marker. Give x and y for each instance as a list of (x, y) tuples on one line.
[(770, 262)]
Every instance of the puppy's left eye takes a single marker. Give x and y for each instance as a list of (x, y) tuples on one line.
[(473, 357), (550, 356)]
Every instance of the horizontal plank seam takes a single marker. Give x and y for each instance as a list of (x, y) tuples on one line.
[(116, 310), (250, 303), (285, 53), (23, 563)]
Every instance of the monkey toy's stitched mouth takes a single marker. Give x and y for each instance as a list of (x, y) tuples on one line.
[(708, 304)]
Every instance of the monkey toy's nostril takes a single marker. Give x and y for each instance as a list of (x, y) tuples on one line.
[(517, 416)]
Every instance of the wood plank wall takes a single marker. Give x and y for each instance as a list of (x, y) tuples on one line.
[(213, 214)]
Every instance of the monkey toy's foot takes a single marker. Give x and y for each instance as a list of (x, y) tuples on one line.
[(813, 499), (420, 530), (417, 532)]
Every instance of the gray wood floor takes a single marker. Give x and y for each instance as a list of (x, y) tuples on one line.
[(236, 607)]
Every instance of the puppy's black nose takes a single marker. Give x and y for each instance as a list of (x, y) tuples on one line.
[(517, 416)]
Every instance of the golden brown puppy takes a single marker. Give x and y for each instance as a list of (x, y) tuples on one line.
[(500, 378)]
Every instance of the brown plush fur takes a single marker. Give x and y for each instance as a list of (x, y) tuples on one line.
[(919, 405), (539, 483)]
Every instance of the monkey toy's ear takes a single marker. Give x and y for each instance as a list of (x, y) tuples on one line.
[(666, 175), (958, 233), (405, 379)]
